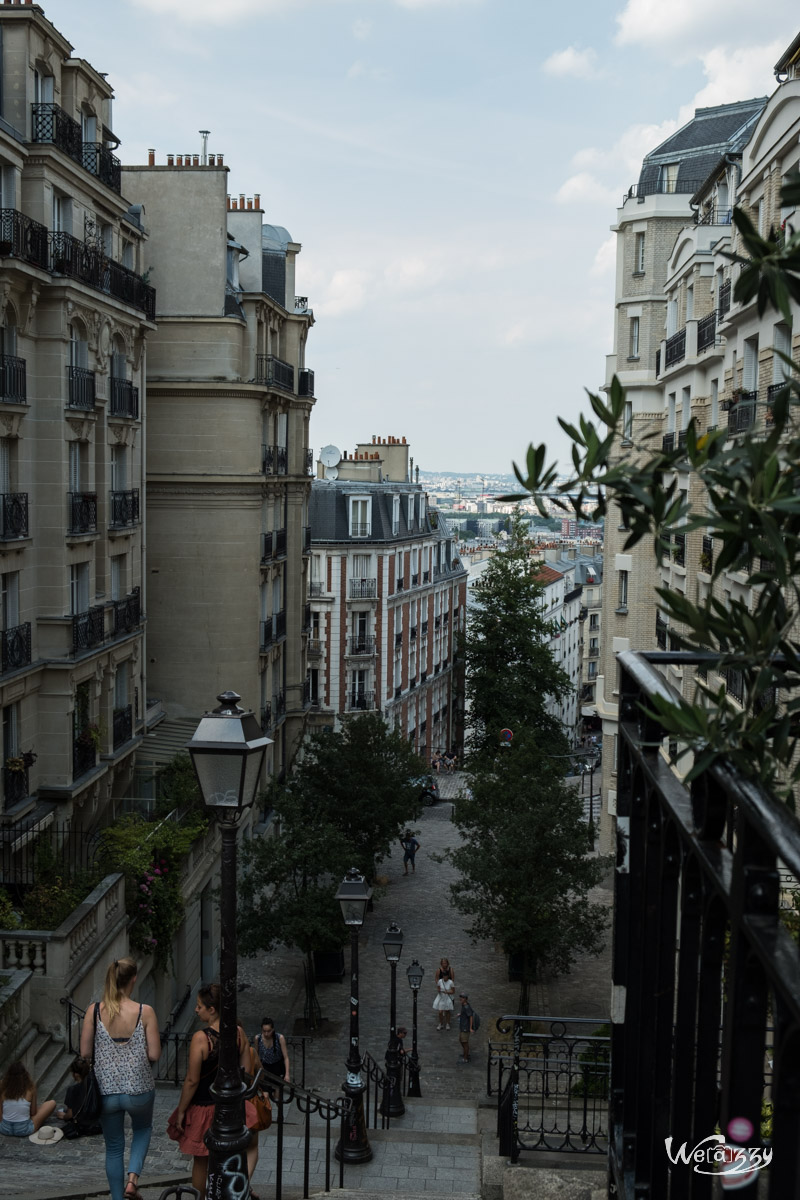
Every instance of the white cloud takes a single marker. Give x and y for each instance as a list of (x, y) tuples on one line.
[(346, 292), (605, 260), (361, 30), (736, 74), (681, 24), (585, 188), (579, 64)]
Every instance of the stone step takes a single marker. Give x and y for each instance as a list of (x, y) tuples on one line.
[(51, 1068)]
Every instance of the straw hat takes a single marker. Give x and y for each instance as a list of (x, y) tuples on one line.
[(48, 1135)]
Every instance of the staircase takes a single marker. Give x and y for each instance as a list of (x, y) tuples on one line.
[(50, 1070)]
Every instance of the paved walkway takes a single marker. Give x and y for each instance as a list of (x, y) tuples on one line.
[(434, 1146)]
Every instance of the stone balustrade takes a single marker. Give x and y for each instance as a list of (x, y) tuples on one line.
[(15, 1015)]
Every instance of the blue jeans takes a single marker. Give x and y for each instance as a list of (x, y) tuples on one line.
[(112, 1121)]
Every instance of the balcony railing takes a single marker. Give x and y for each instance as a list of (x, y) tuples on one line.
[(84, 755), (675, 348), (80, 387), (274, 372), (662, 632), (668, 443), (127, 613), (734, 683), (15, 786), (314, 647), (22, 237), (306, 618), (703, 959), (13, 381), (124, 509), (279, 704), (363, 589), (88, 628), (306, 539), (715, 216), (82, 512), (315, 588), (593, 652), (280, 623), (359, 529), (266, 716), (742, 414), (359, 645), (78, 260), (724, 305), (663, 187), (267, 634), (15, 647), (398, 638), (13, 515), (122, 722), (415, 579), (679, 549), (49, 123), (266, 547), (274, 460), (423, 628), (707, 554), (124, 398), (400, 583), (426, 576), (305, 382), (280, 543), (706, 331), (309, 459), (360, 700), (773, 391), (99, 161)]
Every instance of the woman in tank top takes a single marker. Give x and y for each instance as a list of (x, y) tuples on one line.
[(123, 1046), (21, 1114)]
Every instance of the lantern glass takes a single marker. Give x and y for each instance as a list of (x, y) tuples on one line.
[(393, 943), (415, 975), (354, 896), (227, 751)]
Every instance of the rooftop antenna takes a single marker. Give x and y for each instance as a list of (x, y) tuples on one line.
[(205, 134)]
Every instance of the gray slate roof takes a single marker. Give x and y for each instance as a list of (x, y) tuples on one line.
[(329, 517), (699, 145)]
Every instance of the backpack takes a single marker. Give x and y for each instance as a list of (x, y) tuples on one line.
[(476, 1021)]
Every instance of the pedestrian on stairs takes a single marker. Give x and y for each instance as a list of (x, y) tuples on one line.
[(465, 1027)]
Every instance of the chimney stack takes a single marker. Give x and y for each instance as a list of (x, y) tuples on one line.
[(170, 160), (257, 201), (151, 158)]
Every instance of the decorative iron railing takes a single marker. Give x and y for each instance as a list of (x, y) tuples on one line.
[(88, 628), (122, 725), (724, 300), (16, 788), (360, 699), (662, 187), (13, 515), (267, 636), (701, 962), (363, 589), (22, 237), (82, 512), (360, 529), (124, 509), (679, 549), (78, 260), (707, 554), (309, 461), (305, 382), (274, 460), (742, 414), (280, 543), (266, 547), (706, 331), (50, 123), (274, 372), (675, 348), (359, 645), (315, 588), (13, 380), (80, 387), (99, 161), (124, 398), (127, 613), (15, 647)]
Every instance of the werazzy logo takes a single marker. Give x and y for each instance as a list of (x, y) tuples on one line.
[(737, 1164)]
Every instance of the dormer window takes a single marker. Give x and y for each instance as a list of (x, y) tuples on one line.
[(410, 511), (360, 516)]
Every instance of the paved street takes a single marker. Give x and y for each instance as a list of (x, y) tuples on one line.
[(434, 1147)]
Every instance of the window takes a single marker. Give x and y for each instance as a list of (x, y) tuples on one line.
[(360, 514), (362, 566), (689, 302), (117, 576), (10, 736), (121, 686), (594, 621), (638, 255), (750, 365), (672, 317), (421, 509), (79, 349), (623, 589), (76, 466), (282, 430), (686, 407), (671, 406), (410, 511), (83, 707), (395, 515), (128, 256), (668, 177), (782, 344), (62, 213), (79, 588), (714, 402), (119, 468), (627, 420), (42, 88), (634, 339)]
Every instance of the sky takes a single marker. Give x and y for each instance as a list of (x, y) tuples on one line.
[(451, 168)]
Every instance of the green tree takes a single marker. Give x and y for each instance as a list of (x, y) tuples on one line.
[(510, 671), (524, 874)]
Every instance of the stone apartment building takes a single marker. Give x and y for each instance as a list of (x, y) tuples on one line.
[(388, 596), (699, 355), (561, 606), (228, 466)]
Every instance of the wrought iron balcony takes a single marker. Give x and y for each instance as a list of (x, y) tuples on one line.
[(266, 547), (124, 509), (16, 787), (279, 704), (398, 691), (706, 331), (724, 299), (15, 647), (307, 694), (658, 363), (266, 716), (314, 647), (593, 652), (88, 629), (122, 723), (81, 390), (22, 237), (306, 617), (412, 633), (662, 632), (400, 583), (306, 539), (742, 414), (13, 381), (99, 161), (415, 579), (707, 554), (446, 616), (675, 348), (280, 543), (82, 512), (274, 460), (125, 285), (679, 549), (13, 515), (360, 529), (437, 621), (309, 457), (423, 678), (734, 683), (84, 755), (267, 637), (360, 699), (274, 372), (77, 260), (124, 398), (363, 589), (127, 613), (305, 382), (773, 392), (360, 645), (426, 576), (49, 123), (398, 638), (315, 588), (423, 628), (280, 623)]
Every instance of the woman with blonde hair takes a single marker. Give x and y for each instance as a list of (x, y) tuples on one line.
[(123, 1039), (21, 1115)]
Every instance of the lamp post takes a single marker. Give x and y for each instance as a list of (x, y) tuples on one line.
[(227, 752), (415, 975), (392, 1104), (353, 1146)]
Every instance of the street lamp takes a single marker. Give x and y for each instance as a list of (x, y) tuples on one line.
[(415, 975), (392, 1104), (353, 1146), (227, 752)]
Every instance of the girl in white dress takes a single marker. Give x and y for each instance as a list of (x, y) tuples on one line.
[(445, 990)]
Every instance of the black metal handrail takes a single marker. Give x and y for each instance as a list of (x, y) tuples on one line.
[(15, 647), (124, 398), (675, 348), (701, 955), (88, 628), (266, 547), (122, 721), (78, 260), (280, 543), (363, 589), (99, 161), (274, 460), (715, 215), (127, 613), (305, 382), (124, 508), (360, 645), (663, 187), (724, 299), (360, 699), (274, 372), (16, 787), (13, 515), (376, 1093), (360, 529), (742, 413), (13, 380), (22, 237), (82, 512), (706, 331), (80, 387), (50, 123)]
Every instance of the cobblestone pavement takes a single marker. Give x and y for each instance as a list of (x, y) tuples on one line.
[(434, 1146)]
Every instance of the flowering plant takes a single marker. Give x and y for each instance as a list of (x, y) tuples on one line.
[(21, 762)]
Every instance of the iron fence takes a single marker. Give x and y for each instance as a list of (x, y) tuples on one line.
[(122, 725), (13, 515), (99, 161), (30, 845), (124, 508), (22, 237), (15, 647), (82, 512), (706, 331), (675, 348), (80, 387), (124, 398), (88, 628), (13, 379), (274, 372), (50, 123)]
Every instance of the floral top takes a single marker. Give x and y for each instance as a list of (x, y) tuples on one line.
[(122, 1066)]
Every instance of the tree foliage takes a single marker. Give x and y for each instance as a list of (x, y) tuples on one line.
[(525, 875), (750, 503), (510, 671)]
